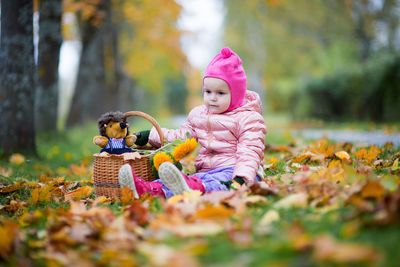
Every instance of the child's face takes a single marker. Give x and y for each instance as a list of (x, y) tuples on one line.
[(217, 95)]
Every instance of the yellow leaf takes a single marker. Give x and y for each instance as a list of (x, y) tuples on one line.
[(373, 189), (350, 229), (361, 154), (390, 182), (373, 152), (101, 200), (17, 159), (212, 212), (21, 220), (79, 193), (6, 172), (334, 163), (45, 193), (78, 170), (294, 200), (395, 165), (343, 155), (127, 195), (327, 249), (175, 199), (34, 196), (273, 160), (269, 217), (12, 188), (8, 233)]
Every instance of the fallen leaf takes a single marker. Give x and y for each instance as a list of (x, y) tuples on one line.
[(269, 217), (79, 193), (214, 212), (9, 235), (164, 253), (293, 200), (202, 228), (101, 200), (343, 155), (251, 200), (12, 187), (395, 165), (216, 197), (127, 195), (34, 196), (17, 159), (350, 229), (45, 193), (327, 249), (138, 213), (262, 188), (6, 172), (390, 182), (78, 170), (175, 199), (372, 189), (79, 232), (299, 239)]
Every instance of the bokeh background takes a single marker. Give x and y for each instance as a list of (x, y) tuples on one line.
[(332, 60), (310, 60)]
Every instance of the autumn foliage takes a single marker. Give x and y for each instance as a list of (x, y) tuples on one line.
[(316, 203)]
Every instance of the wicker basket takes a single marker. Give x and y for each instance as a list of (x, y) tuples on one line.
[(106, 167)]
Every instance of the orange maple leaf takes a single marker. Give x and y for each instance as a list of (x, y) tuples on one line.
[(79, 193), (126, 196)]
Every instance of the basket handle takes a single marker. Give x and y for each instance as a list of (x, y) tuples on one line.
[(150, 119)]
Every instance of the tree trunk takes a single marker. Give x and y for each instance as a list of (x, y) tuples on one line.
[(17, 83), (113, 65), (363, 30), (50, 39), (89, 96)]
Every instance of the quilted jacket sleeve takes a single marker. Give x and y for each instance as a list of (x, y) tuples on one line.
[(173, 134), (250, 149)]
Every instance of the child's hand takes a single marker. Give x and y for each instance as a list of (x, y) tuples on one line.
[(142, 137), (237, 182)]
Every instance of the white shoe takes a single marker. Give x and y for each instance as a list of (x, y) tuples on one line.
[(172, 178), (125, 178)]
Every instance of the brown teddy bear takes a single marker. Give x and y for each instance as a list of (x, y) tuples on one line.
[(114, 133)]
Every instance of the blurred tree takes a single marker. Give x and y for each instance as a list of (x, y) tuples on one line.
[(50, 39), (17, 72), (89, 95), (126, 45), (280, 41), (376, 25), (284, 43), (150, 46)]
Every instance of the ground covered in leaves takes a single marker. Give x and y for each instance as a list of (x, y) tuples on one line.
[(320, 203)]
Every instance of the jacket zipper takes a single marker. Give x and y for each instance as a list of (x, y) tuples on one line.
[(210, 138)]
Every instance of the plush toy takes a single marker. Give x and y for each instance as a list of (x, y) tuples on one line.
[(114, 134)]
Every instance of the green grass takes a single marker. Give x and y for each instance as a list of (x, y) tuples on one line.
[(58, 151)]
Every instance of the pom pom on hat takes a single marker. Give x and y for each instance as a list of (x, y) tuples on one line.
[(228, 66), (226, 52)]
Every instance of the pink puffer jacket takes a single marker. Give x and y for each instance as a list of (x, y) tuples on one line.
[(235, 138)]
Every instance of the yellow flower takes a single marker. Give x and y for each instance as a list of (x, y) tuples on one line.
[(184, 149), (160, 158)]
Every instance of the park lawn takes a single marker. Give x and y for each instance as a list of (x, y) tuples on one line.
[(321, 203)]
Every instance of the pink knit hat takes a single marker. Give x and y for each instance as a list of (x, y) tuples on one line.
[(228, 67)]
